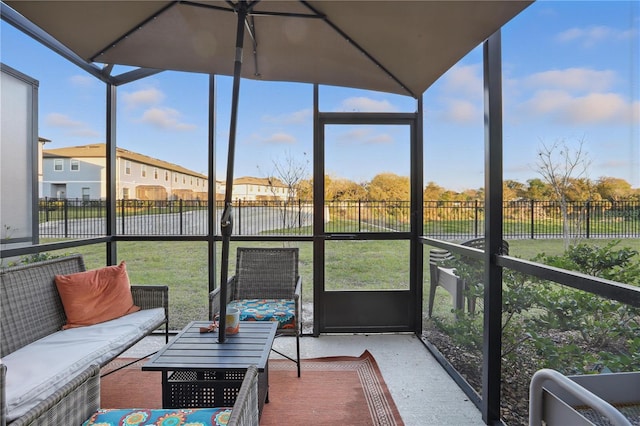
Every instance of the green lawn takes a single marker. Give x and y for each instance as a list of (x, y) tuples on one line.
[(524, 249), (528, 249), (350, 265)]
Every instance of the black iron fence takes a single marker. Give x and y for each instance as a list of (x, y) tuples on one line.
[(73, 218)]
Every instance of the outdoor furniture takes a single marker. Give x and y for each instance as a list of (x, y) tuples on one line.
[(199, 372), (45, 372), (443, 273), (600, 399), (71, 404), (243, 411), (266, 287)]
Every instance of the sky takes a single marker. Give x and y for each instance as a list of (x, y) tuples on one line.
[(571, 74)]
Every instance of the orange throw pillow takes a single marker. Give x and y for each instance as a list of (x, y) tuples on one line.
[(95, 296)]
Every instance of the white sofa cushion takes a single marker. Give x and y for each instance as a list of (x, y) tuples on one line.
[(37, 370)]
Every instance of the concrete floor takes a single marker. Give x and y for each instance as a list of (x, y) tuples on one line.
[(423, 392)]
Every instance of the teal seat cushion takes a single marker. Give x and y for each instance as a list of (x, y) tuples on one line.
[(160, 417), (281, 310)]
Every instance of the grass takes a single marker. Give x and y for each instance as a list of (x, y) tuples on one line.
[(528, 249), (349, 265), (524, 249)]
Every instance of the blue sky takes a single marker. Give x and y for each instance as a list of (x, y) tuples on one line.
[(571, 72)]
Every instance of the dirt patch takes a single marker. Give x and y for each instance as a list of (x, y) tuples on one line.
[(515, 376)]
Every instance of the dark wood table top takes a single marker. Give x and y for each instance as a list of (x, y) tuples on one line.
[(192, 350)]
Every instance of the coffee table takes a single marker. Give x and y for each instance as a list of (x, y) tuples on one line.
[(198, 371)]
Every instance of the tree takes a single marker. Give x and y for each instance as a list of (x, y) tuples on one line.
[(512, 190), (581, 190), (305, 190), (432, 192), (614, 189), (537, 190), (389, 187), (288, 172), (559, 165), (346, 190)]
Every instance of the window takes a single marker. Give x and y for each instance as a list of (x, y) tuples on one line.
[(75, 165), (155, 173), (86, 192), (143, 171), (175, 177), (125, 193), (57, 165), (184, 179), (166, 175), (127, 167)]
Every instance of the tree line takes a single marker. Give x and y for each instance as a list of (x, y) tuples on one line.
[(562, 166), (392, 187)]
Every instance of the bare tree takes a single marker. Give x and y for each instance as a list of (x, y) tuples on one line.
[(559, 165), (287, 174)]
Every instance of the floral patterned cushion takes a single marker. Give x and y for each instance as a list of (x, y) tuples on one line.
[(160, 417), (281, 310)]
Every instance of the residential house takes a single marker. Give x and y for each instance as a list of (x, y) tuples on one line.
[(248, 188), (80, 172)]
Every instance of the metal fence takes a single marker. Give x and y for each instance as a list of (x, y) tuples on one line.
[(74, 218)]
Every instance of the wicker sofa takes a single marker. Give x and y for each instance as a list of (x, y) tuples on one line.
[(48, 374)]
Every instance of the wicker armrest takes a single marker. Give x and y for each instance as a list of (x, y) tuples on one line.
[(150, 297), (297, 297), (298, 291), (70, 405), (214, 297), (245, 410)]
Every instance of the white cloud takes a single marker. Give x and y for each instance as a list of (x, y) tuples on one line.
[(462, 112), (296, 117), (465, 80), (73, 127), (547, 101), (165, 118), (573, 79), (61, 120), (381, 138), (280, 138), (82, 80), (594, 108), (600, 108), (356, 133), (590, 36), (144, 97), (364, 104), (366, 136), (462, 103)]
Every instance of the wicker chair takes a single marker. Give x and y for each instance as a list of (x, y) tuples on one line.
[(266, 287)]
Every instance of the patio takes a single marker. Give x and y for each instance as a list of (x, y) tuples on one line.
[(422, 390)]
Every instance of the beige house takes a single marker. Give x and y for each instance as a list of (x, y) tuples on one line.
[(80, 172), (248, 188)]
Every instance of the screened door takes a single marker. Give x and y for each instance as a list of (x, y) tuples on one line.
[(363, 239)]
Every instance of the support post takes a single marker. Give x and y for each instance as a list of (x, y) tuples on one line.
[(492, 340)]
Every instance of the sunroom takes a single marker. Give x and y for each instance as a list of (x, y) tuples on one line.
[(363, 272)]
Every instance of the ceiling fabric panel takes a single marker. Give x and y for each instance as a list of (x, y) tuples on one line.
[(390, 46)]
